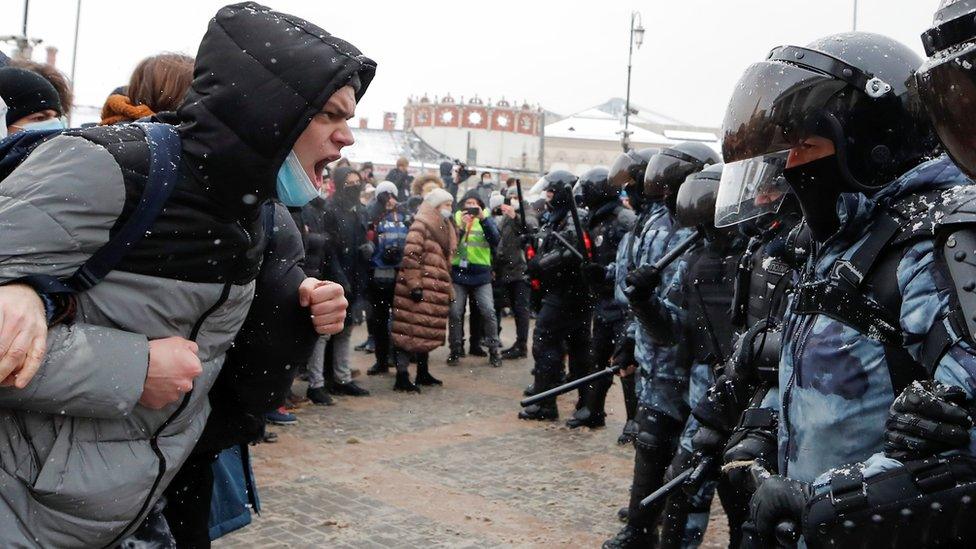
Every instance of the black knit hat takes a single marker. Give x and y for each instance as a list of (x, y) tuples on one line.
[(25, 93), (473, 194)]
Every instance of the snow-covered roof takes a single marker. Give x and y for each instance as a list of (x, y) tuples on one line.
[(383, 147), (602, 129), (688, 135)]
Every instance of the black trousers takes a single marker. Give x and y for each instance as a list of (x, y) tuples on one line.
[(381, 298), (606, 334), (516, 294), (561, 326), (188, 497)]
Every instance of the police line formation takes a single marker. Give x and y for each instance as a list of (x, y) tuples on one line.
[(793, 321)]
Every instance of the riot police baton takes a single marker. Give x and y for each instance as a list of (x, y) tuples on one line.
[(674, 254), (518, 189), (567, 387), (578, 227), (569, 245), (696, 471)]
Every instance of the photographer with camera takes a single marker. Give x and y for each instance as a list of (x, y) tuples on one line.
[(388, 233), (471, 274)]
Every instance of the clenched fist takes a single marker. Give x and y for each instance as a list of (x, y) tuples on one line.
[(173, 365), (327, 304)]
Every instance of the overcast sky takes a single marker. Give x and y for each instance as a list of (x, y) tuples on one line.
[(566, 56)]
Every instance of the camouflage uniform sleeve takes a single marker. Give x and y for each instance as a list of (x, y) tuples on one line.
[(926, 302)]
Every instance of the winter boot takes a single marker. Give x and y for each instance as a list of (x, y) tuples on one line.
[(453, 358), (540, 412), (378, 369), (477, 350), (423, 375), (403, 383), (529, 390), (585, 418), (630, 538), (319, 396), (515, 352), (494, 358)]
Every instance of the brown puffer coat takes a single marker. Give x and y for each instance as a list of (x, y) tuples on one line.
[(420, 327)]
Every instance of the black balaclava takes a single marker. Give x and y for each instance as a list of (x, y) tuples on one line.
[(817, 185), (346, 195)]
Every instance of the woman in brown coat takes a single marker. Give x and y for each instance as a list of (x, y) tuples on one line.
[(422, 299)]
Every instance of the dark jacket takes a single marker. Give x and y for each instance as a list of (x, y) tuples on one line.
[(509, 260), (311, 224), (344, 227), (276, 336)]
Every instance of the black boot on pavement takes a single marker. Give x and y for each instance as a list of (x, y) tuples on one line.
[(453, 358), (529, 390), (319, 396), (477, 350), (494, 358), (540, 412), (585, 418), (515, 352), (403, 383), (424, 377), (349, 389), (630, 538), (378, 369)]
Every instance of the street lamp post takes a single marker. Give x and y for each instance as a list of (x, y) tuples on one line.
[(636, 37)]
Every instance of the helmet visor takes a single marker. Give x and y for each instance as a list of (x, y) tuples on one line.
[(947, 87), (620, 175), (695, 203), (750, 188), (664, 172), (775, 106)]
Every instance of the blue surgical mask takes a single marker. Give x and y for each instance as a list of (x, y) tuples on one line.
[(294, 187), (49, 124)]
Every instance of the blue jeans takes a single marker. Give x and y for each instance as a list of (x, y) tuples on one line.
[(483, 299)]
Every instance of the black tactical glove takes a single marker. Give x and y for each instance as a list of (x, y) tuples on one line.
[(595, 274), (623, 354), (778, 500), (643, 280), (926, 419), (417, 294), (708, 441), (748, 449)]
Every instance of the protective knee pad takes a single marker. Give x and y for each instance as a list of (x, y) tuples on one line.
[(656, 432)]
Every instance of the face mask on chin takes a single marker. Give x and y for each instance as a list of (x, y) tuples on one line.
[(817, 185), (294, 187)]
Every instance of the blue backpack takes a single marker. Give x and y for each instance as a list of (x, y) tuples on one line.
[(164, 158)]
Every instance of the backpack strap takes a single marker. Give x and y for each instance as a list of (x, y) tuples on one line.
[(15, 148), (164, 160)]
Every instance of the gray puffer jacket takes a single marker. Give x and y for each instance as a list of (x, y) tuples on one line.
[(81, 462)]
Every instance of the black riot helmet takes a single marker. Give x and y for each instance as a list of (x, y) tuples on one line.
[(595, 189), (695, 200), (627, 173), (947, 80), (853, 89), (560, 183), (668, 169)]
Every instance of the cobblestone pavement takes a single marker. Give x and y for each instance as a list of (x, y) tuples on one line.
[(451, 467)]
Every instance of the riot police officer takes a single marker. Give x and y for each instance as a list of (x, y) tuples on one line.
[(662, 377), (877, 304), (563, 323), (609, 221)]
